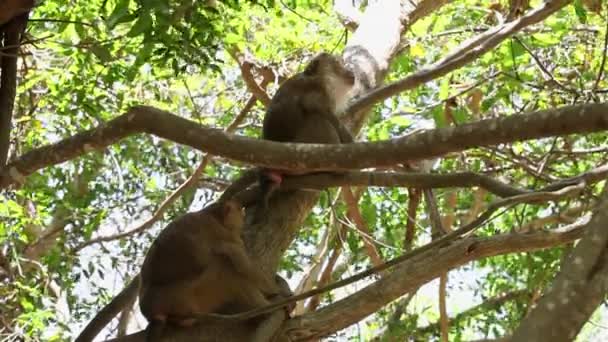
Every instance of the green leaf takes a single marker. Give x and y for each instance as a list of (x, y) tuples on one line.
[(444, 89), (545, 39), (580, 11), (120, 14), (101, 52), (439, 117), (400, 120), (143, 24)]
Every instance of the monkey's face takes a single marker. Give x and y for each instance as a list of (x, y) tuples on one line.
[(328, 65), (233, 216), (346, 75), (340, 83)]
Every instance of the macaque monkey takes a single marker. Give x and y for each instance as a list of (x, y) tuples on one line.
[(198, 265), (304, 111)]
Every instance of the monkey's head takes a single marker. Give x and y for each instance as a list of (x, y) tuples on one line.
[(232, 215), (338, 80)]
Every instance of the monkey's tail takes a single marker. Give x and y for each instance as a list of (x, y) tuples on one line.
[(154, 330)]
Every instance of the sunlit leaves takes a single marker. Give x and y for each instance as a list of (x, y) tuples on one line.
[(120, 14), (141, 25)]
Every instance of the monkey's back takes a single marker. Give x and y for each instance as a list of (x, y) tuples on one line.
[(180, 273), (297, 113)]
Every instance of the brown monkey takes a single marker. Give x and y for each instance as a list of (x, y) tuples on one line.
[(198, 265), (304, 110)]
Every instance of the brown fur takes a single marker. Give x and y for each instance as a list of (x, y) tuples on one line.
[(304, 110), (198, 265)]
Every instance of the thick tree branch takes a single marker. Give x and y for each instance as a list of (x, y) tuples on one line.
[(10, 36), (313, 157), (416, 272), (320, 181)]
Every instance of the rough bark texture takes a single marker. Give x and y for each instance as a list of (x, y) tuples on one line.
[(10, 34), (579, 288)]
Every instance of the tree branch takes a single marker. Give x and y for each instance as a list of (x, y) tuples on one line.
[(10, 36), (313, 157), (578, 289), (467, 52), (418, 271)]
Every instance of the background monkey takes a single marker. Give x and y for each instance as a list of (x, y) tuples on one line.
[(198, 265), (304, 110)]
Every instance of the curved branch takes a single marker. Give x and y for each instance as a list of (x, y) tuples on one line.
[(313, 157)]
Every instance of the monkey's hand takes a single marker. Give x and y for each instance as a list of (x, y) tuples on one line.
[(239, 262), (343, 132)]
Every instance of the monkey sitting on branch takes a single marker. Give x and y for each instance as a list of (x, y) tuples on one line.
[(198, 265), (304, 109)]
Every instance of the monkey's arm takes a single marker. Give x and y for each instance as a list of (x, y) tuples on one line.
[(242, 183), (345, 135), (235, 254), (317, 104)]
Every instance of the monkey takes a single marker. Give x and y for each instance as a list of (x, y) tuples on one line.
[(304, 110), (289, 301), (198, 265)]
